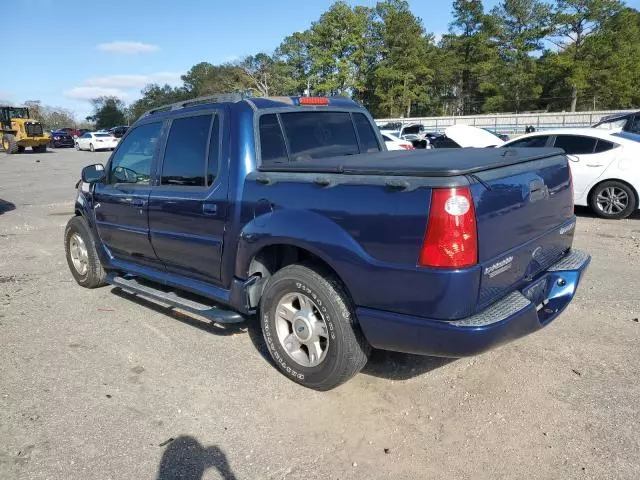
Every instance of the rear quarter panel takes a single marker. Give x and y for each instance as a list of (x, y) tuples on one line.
[(369, 234)]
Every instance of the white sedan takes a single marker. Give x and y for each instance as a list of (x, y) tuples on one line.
[(96, 141), (605, 166), (394, 143)]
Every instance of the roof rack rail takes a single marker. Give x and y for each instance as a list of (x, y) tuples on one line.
[(217, 98)]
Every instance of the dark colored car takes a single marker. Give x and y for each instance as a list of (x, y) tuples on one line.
[(290, 210), (118, 132), (627, 122), (60, 138), (72, 132)]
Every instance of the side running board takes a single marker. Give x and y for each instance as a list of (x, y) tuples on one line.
[(175, 299)]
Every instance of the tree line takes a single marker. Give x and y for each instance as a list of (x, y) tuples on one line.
[(523, 55)]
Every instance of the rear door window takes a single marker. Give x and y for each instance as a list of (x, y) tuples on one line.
[(604, 146), (575, 144), (314, 135), (368, 140), (185, 161)]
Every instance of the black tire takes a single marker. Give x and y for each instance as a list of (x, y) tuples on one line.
[(91, 147), (9, 144), (95, 274), (347, 351), (77, 145), (599, 203)]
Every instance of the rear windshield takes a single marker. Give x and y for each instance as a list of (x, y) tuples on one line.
[(102, 135), (307, 136)]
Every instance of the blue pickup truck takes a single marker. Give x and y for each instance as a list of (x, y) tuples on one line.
[(291, 210)]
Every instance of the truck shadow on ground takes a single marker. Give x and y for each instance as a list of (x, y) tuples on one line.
[(187, 459), (401, 366), (382, 364), (6, 206)]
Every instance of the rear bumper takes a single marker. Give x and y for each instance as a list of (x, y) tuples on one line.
[(516, 315)]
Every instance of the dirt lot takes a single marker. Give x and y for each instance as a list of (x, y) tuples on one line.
[(97, 385)]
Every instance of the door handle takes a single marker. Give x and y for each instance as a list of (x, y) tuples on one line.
[(594, 164), (135, 202), (210, 208)]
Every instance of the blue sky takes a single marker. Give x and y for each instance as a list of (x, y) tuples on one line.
[(71, 51)]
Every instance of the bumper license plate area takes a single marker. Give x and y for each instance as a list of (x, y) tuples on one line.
[(537, 292)]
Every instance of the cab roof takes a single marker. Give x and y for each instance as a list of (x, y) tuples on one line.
[(256, 103)]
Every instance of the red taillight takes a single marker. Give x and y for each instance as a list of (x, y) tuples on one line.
[(406, 147), (314, 101), (451, 240)]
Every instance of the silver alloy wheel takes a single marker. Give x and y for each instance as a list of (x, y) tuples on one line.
[(301, 329), (612, 200), (79, 255)]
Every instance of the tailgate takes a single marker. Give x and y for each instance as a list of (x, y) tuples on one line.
[(525, 223)]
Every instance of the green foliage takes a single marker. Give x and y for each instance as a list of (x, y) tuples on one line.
[(470, 55), (154, 96), (51, 118), (521, 26), (108, 112), (524, 55)]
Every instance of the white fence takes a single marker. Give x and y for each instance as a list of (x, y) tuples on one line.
[(508, 123)]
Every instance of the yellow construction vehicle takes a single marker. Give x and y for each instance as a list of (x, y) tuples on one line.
[(18, 131)]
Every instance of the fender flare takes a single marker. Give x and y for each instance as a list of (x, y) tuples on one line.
[(306, 230)]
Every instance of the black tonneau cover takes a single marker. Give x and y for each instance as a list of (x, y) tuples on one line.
[(419, 163)]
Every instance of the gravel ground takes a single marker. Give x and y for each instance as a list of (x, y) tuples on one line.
[(96, 384)]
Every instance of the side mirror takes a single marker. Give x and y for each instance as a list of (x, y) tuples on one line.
[(93, 173)]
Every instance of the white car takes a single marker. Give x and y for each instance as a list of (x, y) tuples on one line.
[(605, 166), (468, 136), (96, 141), (394, 143)]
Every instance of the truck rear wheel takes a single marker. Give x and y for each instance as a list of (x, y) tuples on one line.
[(310, 328), (9, 144), (82, 257)]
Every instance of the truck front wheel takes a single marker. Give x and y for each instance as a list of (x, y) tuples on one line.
[(9, 144), (310, 328), (82, 257)]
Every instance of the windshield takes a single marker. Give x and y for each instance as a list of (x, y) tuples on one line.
[(16, 112), (491, 132), (102, 135)]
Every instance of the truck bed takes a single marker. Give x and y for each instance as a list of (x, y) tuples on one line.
[(419, 163)]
